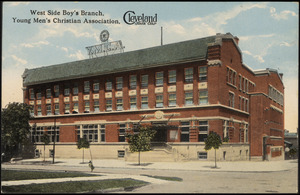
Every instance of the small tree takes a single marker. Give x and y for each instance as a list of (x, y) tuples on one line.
[(213, 140), (140, 141), (83, 143), (46, 140)]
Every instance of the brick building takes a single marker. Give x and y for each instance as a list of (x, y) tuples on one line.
[(183, 90)]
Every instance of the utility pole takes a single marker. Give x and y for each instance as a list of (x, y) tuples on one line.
[(54, 139)]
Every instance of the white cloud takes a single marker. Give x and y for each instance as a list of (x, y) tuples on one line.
[(36, 44), (77, 55), (259, 58), (19, 61), (16, 3), (283, 15)]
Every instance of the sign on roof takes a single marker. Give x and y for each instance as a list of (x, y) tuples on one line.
[(105, 48)]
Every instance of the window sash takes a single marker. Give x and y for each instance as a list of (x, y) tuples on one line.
[(132, 81), (119, 104), (75, 89), (203, 97), (109, 105), (48, 93), (172, 76), (188, 75), (96, 86), (189, 98), (202, 73), (67, 108), (159, 78), (56, 90), (172, 99), (144, 81), (159, 101), (119, 83), (133, 103), (108, 86), (144, 102)]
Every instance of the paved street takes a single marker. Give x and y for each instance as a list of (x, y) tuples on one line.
[(198, 177)]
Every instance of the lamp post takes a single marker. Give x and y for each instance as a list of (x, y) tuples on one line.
[(54, 139)]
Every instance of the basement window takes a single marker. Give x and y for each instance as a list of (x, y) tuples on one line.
[(202, 155)]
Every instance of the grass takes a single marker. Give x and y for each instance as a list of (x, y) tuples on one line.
[(10, 175), (75, 187), (164, 178)]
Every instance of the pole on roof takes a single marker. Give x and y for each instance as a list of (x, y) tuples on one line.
[(161, 30)]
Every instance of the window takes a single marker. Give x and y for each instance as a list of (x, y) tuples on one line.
[(132, 81), (231, 76), (109, 105), (122, 129), (48, 109), (53, 133), (203, 131), (36, 134), (172, 77), (75, 89), (67, 108), (48, 93), (38, 94), (202, 155), (86, 87), (96, 86), (144, 102), (189, 98), (185, 132), (225, 130), (246, 133), (159, 101), (39, 110), (31, 94), (77, 130), (203, 97), (86, 106), (159, 78), (90, 132), (67, 90), (144, 81), (96, 106), (119, 104), (56, 90), (231, 99), (133, 103), (121, 153), (188, 75), (108, 86), (172, 99), (119, 83), (102, 133), (203, 73), (240, 82), (75, 108), (56, 109)]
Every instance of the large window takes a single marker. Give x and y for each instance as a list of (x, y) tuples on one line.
[(108, 86), (96, 106), (39, 110), (189, 98), (53, 133), (56, 91), (202, 73), (48, 93), (119, 83), (172, 77), (87, 106), (38, 94), (122, 130), (67, 90), (185, 132), (75, 108), (75, 89), (144, 81), (231, 99), (31, 94), (86, 87), (133, 103), (119, 104), (188, 75), (159, 101), (203, 131), (48, 109), (172, 99), (132, 81), (144, 101), (159, 78), (96, 86), (67, 108), (36, 134), (108, 104), (203, 97), (56, 109), (90, 132)]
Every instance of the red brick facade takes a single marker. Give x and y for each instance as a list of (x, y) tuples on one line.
[(238, 102)]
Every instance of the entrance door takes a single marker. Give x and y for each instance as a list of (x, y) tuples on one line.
[(161, 132)]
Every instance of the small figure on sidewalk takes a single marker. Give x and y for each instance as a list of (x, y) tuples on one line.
[(91, 166)]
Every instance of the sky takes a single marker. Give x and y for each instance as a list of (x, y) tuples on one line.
[(268, 35)]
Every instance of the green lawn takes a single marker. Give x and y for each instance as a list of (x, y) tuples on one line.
[(9, 175), (74, 187), (164, 178)]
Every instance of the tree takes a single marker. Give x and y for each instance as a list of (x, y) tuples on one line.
[(141, 140), (213, 140), (15, 127), (46, 140), (83, 143)]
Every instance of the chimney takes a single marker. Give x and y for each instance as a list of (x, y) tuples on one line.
[(236, 40)]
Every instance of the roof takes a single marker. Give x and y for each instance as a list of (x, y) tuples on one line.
[(134, 60)]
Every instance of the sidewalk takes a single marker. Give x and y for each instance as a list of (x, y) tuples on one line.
[(234, 166)]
